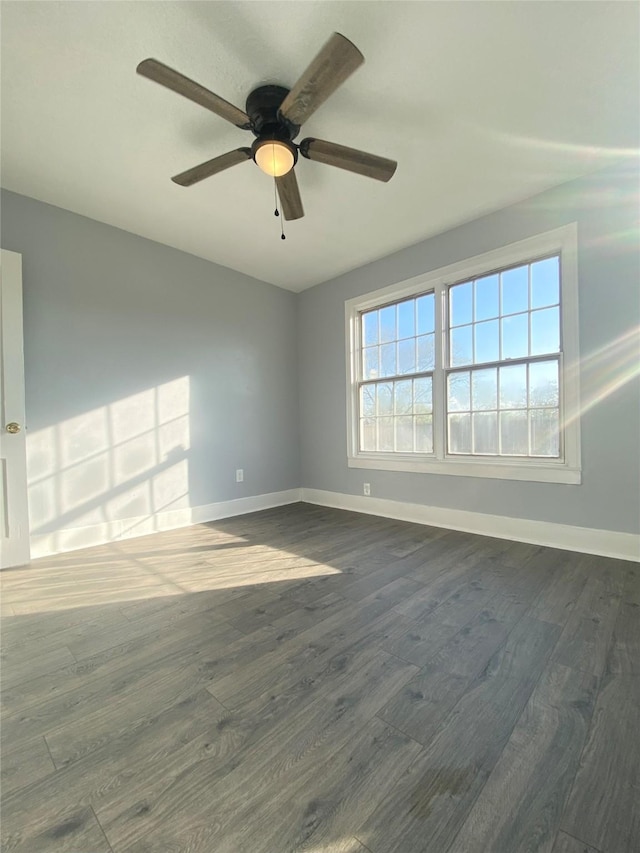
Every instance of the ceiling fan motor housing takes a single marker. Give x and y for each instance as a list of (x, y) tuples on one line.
[(267, 124), (263, 106)]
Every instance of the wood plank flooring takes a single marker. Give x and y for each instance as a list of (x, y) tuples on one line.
[(307, 679)]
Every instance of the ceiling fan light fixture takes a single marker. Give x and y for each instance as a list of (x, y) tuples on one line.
[(274, 156)]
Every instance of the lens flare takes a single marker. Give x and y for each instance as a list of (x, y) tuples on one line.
[(605, 370)]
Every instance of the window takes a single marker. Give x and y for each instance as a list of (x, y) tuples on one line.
[(503, 371), (399, 342), (471, 369)]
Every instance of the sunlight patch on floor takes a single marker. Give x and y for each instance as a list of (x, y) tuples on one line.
[(63, 582), (346, 845)]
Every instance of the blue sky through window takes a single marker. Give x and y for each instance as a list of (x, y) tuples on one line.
[(507, 315)]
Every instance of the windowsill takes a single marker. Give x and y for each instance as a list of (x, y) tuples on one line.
[(536, 472)]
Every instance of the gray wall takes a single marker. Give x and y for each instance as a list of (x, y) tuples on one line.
[(151, 375), (605, 208)]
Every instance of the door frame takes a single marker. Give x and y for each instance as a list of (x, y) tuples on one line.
[(14, 530)]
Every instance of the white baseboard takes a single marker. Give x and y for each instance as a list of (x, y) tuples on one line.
[(606, 543), (70, 539)]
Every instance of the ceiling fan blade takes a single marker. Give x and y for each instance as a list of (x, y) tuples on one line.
[(160, 73), (290, 196), (337, 60), (212, 167), (350, 159)]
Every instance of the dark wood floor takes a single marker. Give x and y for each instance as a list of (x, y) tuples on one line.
[(311, 679)]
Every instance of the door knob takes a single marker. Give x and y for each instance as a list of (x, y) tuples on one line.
[(13, 427)]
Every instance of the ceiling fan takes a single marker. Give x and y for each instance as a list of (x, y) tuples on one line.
[(274, 115)]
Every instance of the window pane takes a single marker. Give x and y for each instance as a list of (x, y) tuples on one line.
[(406, 319), (513, 387), (545, 331), (544, 432), (515, 290), (388, 360), (370, 328), (426, 307), (404, 434), (385, 398), (388, 324), (509, 409), (370, 365), (461, 302), (422, 395), (514, 433), (368, 401), (459, 392), (485, 432), (367, 434), (424, 434), (385, 434), (461, 346), (515, 336), (543, 383), (407, 356), (485, 388), (545, 283), (487, 303), (403, 397), (460, 433), (487, 341), (426, 353)]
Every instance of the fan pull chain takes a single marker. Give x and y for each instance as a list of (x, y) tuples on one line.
[(276, 212)]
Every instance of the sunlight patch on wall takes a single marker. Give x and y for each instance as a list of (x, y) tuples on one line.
[(110, 471)]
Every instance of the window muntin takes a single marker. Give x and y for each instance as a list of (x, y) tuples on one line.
[(527, 412), (504, 329), (507, 410), (395, 385), (399, 339), (397, 416)]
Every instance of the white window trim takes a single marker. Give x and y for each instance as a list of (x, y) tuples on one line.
[(564, 470)]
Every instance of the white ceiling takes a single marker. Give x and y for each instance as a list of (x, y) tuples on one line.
[(481, 103)]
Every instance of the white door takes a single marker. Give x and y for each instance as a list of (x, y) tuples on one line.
[(14, 517)]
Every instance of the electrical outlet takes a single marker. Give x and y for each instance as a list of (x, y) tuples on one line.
[(367, 488), (239, 475)]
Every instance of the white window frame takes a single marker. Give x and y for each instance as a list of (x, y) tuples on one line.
[(566, 468)]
